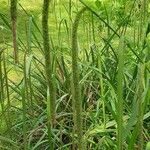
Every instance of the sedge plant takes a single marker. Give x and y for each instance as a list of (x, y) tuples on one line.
[(48, 69), (77, 101)]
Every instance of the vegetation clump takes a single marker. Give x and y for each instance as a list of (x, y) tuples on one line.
[(81, 79)]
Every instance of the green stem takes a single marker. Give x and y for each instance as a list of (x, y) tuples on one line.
[(8, 96), (24, 107), (77, 101), (49, 73), (140, 105), (119, 105)]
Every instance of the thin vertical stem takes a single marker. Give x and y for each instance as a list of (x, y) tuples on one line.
[(140, 91), (120, 95), (49, 73), (8, 97), (24, 108), (13, 12), (2, 86), (77, 101)]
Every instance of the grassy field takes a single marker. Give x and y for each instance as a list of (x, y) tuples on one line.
[(84, 84)]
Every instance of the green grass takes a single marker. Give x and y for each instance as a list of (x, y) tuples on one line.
[(98, 68)]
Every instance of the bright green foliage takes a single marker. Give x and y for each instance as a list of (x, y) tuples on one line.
[(83, 77), (148, 146)]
